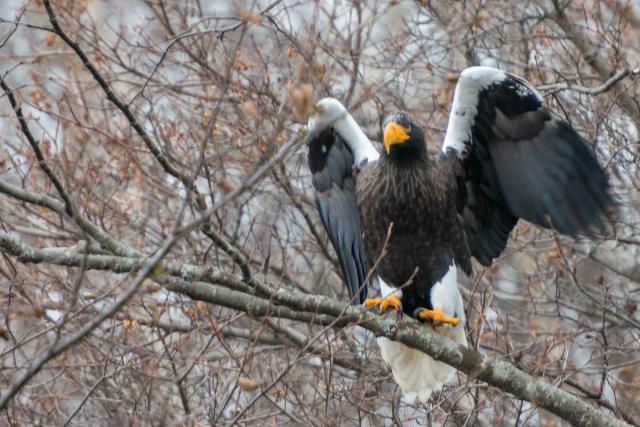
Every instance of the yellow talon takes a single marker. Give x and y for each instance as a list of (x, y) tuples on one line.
[(437, 316), (384, 303)]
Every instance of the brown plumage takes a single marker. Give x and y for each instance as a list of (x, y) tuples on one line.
[(420, 193)]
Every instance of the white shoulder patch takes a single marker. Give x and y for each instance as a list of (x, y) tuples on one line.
[(386, 290), (329, 112), (465, 105), (446, 295)]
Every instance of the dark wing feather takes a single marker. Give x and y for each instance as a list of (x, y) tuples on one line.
[(331, 165), (519, 160)]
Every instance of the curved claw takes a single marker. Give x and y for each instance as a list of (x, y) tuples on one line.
[(384, 303), (436, 316)]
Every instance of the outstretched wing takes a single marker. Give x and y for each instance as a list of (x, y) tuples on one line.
[(519, 160), (335, 145)]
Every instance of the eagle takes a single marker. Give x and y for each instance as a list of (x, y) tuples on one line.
[(411, 221)]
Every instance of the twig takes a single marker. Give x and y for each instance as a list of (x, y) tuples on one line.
[(36, 148), (592, 55), (62, 344), (111, 96), (557, 87), (628, 320), (296, 306), (87, 226), (235, 254), (188, 34)]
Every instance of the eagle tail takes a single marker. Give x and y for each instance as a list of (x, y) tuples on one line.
[(418, 374)]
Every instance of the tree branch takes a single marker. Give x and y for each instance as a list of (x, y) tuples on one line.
[(35, 146), (325, 311), (111, 96), (87, 226), (592, 56), (60, 345), (557, 87)]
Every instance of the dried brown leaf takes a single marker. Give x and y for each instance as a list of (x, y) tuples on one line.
[(129, 324), (50, 38), (302, 101), (247, 384), (443, 98), (293, 52), (251, 109), (452, 77), (249, 16), (482, 15), (239, 65), (226, 186)]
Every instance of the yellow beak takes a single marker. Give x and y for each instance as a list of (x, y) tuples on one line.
[(394, 134)]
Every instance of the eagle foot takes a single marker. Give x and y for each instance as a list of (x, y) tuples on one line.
[(384, 303), (437, 316)]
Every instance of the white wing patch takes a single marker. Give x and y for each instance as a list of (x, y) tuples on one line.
[(527, 89), (465, 105), (464, 110), (329, 112)]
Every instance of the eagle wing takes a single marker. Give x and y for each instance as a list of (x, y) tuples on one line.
[(519, 160), (335, 144)]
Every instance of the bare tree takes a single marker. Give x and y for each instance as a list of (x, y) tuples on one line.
[(162, 259)]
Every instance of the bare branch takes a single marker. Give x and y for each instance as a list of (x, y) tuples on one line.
[(111, 95), (592, 56), (498, 373), (36, 148), (557, 87)]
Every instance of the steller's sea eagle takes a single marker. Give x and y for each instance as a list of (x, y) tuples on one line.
[(505, 156)]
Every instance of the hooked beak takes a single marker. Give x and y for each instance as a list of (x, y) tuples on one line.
[(394, 134)]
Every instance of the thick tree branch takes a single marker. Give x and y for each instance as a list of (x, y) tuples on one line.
[(323, 310), (87, 226), (61, 344), (235, 254)]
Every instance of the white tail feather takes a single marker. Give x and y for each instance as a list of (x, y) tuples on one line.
[(417, 374)]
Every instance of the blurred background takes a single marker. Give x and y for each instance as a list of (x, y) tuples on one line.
[(183, 101)]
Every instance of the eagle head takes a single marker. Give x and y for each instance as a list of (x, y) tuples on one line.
[(403, 139)]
